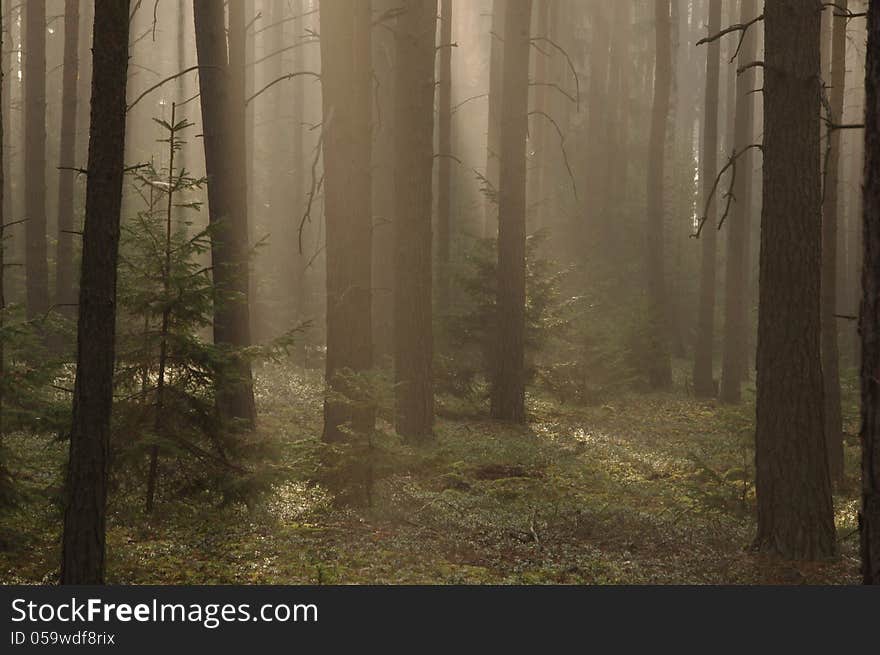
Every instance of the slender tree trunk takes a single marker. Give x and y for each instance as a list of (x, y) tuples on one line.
[(734, 357), (595, 188), (444, 164), (493, 134), (704, 381), (82, 560), (222, 102), (538, 172), (830, 206), (793, 486), (508, 383), (36, 265), (4, 91), (64, 290), (414, 154), (384, 56), (618, 91), (347, 82), (869, 325), (658, 364)]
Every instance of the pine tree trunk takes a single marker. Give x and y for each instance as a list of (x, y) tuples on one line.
[(64, 291), (347, 83), (444, 163), (734, 357), (830, 206), (493, 132), (384, 55), (869, 325), (658, 364), (508, 383), (537, 173), (596, 223), (414, 158), (793, 486), (36, 265), (222, 103), (704, 382), (83, 545)]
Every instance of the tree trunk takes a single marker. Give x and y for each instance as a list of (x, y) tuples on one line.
[(347, 82), (64, 290), (734, 357), (537, 173), (793, 486), (82, 560), (36, 265), (222, 103), (704, 382), (658, 364), (383, 187), (493, 133), (869, 326), (444, 164), (414, 158), (830, 206), (596, 223), (508, 384)]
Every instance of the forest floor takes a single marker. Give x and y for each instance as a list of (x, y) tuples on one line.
[(645, 489)]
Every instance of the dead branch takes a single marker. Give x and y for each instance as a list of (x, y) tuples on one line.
[(561, 147), (731, 164)]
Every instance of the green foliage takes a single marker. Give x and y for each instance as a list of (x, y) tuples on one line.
[(465, 359), (165, 407)]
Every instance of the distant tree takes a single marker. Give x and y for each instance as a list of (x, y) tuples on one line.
[(704, 381), (413, 175), (347, 84), (830, 212), (658, 365), (36, 264), (223, 134), (493, 136), (444, 153), (508, 379), (869, 325), (596, 184), (64, 277), (793, 486), (83, 543), (734, 355)]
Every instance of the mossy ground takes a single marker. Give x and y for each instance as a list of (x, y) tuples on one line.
[(645, 489)]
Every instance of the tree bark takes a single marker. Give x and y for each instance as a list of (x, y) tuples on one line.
[(83, 546), (444, 163), (869, 325), (830, 213), (36, 265), (734, 357), (347, 82), (658, 364), (414, 159), (222, 103), (508, 384), (793, 486), (493, 132), (64, 289), (704, 382)]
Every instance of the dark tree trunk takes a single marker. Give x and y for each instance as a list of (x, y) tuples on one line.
[(734, 357), (830, 206), (618, 122), (869, 325), (704, 382), (222, 102), (793, 486), (347, 82), (658, 364), (36, 265), (414, 158), (493, 133), (82, 560), (64, 289), (444, 144), (508, 383)]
